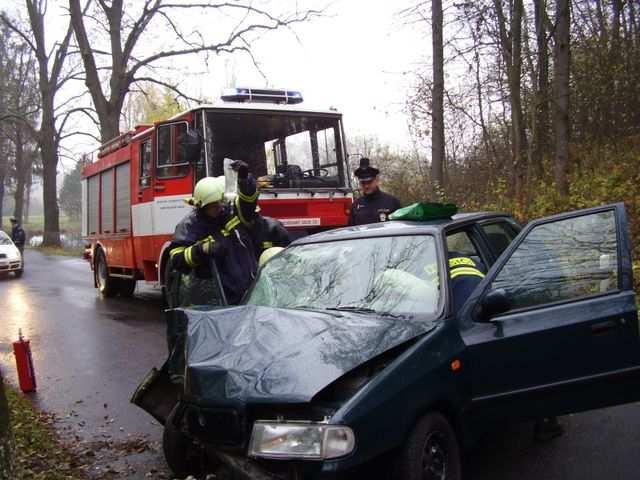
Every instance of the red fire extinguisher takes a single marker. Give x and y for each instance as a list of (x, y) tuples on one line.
[(24, 364)]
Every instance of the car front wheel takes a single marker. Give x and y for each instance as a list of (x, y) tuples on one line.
[(431, 451)]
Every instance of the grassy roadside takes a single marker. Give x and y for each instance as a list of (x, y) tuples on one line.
[(39, 454), (35, 223), (67, 252)]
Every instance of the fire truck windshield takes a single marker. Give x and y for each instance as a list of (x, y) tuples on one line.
[(283, 149)]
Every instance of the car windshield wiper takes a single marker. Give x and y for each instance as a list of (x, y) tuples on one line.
[(356, 309), (318, 310)]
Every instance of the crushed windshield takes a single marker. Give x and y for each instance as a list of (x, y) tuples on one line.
[(390, 276), (287, 150)]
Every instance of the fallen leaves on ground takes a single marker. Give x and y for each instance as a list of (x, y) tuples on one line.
[(39, 454)]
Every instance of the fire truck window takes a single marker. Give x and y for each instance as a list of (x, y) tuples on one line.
[(93, 203), (280, 145), (299, 150), (123, 197), (170, 163), (145, 164), (106, 201), (327, 150)]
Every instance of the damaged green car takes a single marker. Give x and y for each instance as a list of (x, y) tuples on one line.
[(347, 356)]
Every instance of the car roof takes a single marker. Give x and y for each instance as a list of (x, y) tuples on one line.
[(402, 227)]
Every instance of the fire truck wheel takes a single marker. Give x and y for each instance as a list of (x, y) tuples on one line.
[(106, 284), (182, 455), (126, 287)]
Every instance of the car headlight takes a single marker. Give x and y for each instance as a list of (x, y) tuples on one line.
[(311, 441)]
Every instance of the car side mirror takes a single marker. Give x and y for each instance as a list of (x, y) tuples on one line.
[(495, 303), (192, 145)]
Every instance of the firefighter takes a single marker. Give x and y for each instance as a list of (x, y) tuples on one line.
[(220, 233), (17, 235), (465, 274), (374, 205), (214, 254)]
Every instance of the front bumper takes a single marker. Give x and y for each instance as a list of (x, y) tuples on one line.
[(225, 433), (253, 469), (10, 265)]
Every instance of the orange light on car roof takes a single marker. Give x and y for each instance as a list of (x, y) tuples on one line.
[(456, 365)]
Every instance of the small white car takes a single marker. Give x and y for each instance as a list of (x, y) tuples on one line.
[(10, 258)]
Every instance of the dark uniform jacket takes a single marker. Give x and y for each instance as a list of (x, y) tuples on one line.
[(18, 236), (372, 208), (269, 232), (236, 245)]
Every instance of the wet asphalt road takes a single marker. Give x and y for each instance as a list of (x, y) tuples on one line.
[(89, 355), (89, 352)]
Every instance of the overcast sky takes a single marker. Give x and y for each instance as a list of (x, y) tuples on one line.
[(355, 59)]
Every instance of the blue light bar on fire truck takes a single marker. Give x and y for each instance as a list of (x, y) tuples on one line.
[(261, 95)]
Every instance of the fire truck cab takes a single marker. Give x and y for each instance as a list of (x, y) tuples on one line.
[(134, 192)]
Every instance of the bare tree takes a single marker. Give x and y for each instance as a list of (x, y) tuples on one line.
[(437, 98), (50, 63), (511, 48), (540, 101), (125, 34), (561, 72)]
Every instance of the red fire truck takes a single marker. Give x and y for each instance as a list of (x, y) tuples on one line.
[(133, 193)]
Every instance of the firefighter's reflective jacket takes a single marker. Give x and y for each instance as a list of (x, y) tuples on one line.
[(234, 251), (466, 273), (269, 232)]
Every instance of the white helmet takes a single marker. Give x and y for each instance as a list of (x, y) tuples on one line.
[(267, 254), (208, 190)]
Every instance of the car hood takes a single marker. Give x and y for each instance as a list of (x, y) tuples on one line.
[(252, 354), (10, 251)]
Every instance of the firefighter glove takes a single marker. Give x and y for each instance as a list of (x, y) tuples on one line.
[(241, 167), (209, 247)]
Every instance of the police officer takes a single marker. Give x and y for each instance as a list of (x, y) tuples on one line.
[(17, 235), (374, 205)]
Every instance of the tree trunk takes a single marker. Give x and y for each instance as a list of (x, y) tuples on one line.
[(511, 49), (20, 163), (48, 138), (561, 96), (3, 176), (540, 126), (437, 109), (27, 194), (519, 145), (5, 436), (51, 235)]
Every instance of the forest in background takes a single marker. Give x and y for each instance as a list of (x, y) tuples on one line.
[(538, 113), (509, 145)]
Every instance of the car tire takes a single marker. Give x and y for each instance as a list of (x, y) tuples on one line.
[(180, 452), (107, 285), (126, 286), (18, 273), (431, 452)]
